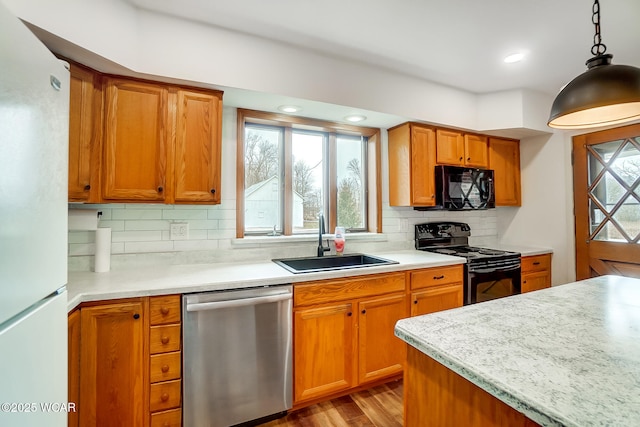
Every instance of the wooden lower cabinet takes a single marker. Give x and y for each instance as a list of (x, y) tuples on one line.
[(437, 298), (113, 372), (343, 333), (380, 352), (165, 359), (323, 350), (535, 272), (436, 289), (122, 370), (73, 366)]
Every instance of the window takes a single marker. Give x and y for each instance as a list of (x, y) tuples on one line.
[(291, 169)]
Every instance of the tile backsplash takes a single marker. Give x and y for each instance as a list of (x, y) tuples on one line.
[(141, 235)]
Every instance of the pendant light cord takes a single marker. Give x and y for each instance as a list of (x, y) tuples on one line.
[(598, 47)]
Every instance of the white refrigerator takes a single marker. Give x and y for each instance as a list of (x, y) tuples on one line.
[(34, 127)]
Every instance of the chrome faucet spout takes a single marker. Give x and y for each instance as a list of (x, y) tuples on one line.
[(321, 248)]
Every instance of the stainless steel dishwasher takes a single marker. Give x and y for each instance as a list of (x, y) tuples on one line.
[(237, 361)]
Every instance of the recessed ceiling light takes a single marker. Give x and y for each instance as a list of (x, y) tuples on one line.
[(355, 118), (514, 57), (289, 108)]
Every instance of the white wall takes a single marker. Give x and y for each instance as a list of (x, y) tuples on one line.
[(158, 45), (546, 215)]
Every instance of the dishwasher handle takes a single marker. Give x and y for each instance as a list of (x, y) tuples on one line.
[(215, 305)]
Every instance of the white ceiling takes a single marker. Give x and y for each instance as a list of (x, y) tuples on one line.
[(458, 43)]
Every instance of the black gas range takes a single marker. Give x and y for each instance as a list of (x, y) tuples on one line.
[(489, 273)]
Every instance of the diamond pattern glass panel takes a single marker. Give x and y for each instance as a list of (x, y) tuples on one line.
[(609, 233), (617, 186), (627, 218)]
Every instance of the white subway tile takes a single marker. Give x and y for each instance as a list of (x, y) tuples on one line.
[(185, 214), (146, 225), (195, 245), (142, 214), (141, 247), (207, 224), (136, 236)]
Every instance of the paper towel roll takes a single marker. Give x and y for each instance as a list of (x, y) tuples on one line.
[(103, 250)]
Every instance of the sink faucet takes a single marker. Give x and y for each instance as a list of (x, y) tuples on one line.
[(321, 248)]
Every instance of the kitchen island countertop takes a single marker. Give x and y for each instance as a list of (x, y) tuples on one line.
[(564, 356)]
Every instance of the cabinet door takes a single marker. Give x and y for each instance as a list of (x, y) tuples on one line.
[(73, 365), (380, 353), (84, 121), (449, 147), (323, 350), (113, 367), (136, 141), (475, 151), (423, 162), (535, 281), (504, 159), (197, 152), (437, 298)]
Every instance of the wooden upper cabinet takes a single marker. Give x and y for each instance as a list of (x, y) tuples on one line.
[(197, 148), (476, 153), (135, 143), (85, 112), (455, 148), (449, 147), (504, 159), (412, 159)]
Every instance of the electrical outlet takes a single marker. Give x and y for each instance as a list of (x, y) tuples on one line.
[(179, 231)]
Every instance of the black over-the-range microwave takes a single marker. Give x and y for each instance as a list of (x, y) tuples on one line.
[(461, 188)]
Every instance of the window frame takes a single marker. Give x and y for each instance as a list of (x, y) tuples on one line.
[(289, 123)]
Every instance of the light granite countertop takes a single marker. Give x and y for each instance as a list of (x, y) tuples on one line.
[(167, 279), (564, 356), (171, 279)]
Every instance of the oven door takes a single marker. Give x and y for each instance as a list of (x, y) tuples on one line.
[(487, 283)]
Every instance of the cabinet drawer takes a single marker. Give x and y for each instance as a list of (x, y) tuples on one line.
[(349, 288), (536, 263), (436, 276), (171, 418), (164, 338), (165, 395), (165, 367), (164, 309)]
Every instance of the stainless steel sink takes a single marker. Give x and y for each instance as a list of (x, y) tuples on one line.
[(328, 263)]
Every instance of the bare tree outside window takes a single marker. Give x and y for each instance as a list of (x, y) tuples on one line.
[(350, 197), (260, 158)]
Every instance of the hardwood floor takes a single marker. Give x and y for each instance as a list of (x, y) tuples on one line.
[(379, 406)]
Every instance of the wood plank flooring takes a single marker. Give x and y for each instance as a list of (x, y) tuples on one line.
[(379, 406)]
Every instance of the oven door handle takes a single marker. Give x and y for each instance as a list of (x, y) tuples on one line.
[(494, 270)]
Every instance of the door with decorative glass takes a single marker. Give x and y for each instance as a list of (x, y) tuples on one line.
[(607, 202)]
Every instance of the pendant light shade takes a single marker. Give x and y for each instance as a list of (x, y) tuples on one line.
[(603, 95)]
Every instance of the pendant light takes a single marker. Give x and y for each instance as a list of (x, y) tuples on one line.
[(603, 95)]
